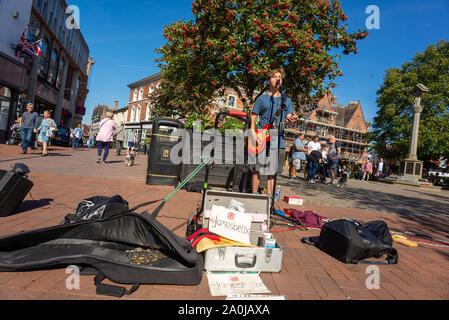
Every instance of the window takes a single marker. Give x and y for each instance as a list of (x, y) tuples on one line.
[(141, 94), (55, 22), (43, 58), (133, 114), (60, 72), (232, 101), (138, 114), (148, 112), (39, 3), (53, 68), (44, 9), (135, 95)]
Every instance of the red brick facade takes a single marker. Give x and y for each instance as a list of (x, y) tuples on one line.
[(139, 107)]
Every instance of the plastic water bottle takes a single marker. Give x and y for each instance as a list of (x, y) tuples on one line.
[(277, 195)]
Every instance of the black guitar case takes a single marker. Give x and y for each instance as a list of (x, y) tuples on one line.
[(108, 238)]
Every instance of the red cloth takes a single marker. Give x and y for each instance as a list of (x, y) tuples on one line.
[(309, 218)]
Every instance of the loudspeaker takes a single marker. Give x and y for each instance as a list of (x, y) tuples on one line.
[(13, 189)]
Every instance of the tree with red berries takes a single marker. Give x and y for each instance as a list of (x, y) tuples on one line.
[(235, 43)]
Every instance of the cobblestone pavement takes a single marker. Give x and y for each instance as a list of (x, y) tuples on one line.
[(66, 177)]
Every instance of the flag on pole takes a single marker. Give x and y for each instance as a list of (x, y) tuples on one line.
[(25, 45)]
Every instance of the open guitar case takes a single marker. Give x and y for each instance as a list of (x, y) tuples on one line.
[(107, 239)]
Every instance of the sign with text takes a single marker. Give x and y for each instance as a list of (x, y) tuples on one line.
[(230, 224)]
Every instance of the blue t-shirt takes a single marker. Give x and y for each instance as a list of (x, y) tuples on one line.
[(266, 107), (298, 154)]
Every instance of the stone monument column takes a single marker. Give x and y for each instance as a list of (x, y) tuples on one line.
[(411, 167)]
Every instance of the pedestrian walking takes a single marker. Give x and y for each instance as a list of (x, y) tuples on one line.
[(298, 155), (105, 137), (380, 168), (46, 132), (367, 170), (333, 157), (77, 136), (132, 141), (314, 157), (119, 138), (91, 141), (28, 126)]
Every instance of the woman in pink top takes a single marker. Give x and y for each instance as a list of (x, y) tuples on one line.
[(368, 166), (105, 136)]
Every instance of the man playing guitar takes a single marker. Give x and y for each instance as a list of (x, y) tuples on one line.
[(265, 109)]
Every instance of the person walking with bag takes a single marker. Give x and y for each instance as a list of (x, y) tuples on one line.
[(46, 129), (105, 137), (119, 138)]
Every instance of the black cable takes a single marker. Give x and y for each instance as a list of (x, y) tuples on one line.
[(46, 207)]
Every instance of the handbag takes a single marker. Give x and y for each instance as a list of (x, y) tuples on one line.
[(352, 242)]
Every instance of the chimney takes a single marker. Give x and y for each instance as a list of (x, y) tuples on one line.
[(115, 105), (334, 99)]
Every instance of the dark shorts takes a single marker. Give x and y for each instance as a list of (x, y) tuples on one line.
[(332, 164)]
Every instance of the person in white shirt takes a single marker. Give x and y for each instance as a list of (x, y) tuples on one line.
[(314, 152), (380, 167)]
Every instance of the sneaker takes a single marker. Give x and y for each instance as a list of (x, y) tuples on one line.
[(103, 162), (331, 184), (98, 160), (312, 181), (23, 152)]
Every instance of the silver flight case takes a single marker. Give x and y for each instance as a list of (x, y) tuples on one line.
[(251, 259)]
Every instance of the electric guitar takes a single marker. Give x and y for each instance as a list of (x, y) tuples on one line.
[(258, 141)]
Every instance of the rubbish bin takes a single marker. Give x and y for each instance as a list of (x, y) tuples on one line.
[(166, 134)]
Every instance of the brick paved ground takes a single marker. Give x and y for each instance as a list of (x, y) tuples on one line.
[(64, 178)]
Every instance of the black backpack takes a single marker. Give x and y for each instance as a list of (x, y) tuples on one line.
[(352, 242), (106, 239)]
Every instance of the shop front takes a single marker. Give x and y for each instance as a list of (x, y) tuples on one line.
[(13, 80)]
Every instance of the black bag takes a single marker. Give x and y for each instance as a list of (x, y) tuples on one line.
[(351, 241), (117, 244), (315, 156)]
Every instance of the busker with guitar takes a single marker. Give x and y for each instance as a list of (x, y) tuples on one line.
[(265, 109)]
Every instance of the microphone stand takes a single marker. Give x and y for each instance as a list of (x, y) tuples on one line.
[(282, 106)]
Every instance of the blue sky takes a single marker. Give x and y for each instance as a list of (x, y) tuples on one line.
[(122, 37)]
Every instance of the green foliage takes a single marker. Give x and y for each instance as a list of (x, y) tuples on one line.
[(235, 43), (393, 123)]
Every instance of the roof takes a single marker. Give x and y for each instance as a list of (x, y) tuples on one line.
[(121, 109), (150, 79)]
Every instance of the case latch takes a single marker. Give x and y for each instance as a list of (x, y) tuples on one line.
[(268, 253), (221, 253)]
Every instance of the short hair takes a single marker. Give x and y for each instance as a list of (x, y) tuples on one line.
[(29, 104), (277, 70), (109, 114), (315, 137), (47, 111)]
